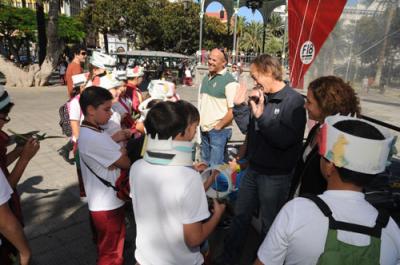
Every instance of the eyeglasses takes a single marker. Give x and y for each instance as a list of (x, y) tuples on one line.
[(83, 53), (5, 119)]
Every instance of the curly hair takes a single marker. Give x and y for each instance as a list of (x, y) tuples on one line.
[(333, 96)]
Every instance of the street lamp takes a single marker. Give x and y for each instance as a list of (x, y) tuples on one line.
[(254, 4), (186, 4), (236, 9), (201, 14)]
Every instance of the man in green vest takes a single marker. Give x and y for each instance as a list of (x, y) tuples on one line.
[(217, 91), (338, 227)]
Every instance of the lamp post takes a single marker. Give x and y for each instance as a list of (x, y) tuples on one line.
[(236, 9), (201, 14)]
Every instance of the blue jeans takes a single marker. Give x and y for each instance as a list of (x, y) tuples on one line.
[(269, 192), (213, 145)]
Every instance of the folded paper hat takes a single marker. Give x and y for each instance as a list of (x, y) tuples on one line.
[(168, 152), (103, 61), (136, 71), (4, 97), (160, 89), (109, 81), (79, 79), (352, 152), (120, 74)]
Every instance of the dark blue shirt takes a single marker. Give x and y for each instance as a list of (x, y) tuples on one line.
[(274, 140)]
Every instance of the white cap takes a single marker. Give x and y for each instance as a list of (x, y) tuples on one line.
[(78, 80), (4, 97), (102, 61), (352, 152), (161, 89), (108, 82), (120, 74), (137, 71)]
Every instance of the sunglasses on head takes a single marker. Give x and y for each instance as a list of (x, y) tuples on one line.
[(222, 50), (83, 53)]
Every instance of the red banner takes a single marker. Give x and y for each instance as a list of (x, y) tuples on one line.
[(310, 23)]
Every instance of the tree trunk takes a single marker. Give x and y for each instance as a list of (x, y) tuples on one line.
[(105, 35), (15, 76), (55, 46), (381, 59), (41, 26), (36, 75), (91, 34)]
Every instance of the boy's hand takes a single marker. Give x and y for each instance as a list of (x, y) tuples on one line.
[(200, 167), (24, 258), (30, 149), (122, 135), (123, 151), (218, 208)]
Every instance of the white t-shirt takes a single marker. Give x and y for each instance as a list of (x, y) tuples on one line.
[(164, 198), (188, 74), (99, 151), (5, 189), (74, 110), (298, 233)]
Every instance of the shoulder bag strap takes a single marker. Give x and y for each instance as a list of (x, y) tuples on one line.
[(105, 182)]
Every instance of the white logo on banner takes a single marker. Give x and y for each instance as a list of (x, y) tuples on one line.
[(307, 51)]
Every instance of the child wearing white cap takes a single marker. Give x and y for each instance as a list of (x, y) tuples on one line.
[(113, 126), (99, 65), (339, 224)]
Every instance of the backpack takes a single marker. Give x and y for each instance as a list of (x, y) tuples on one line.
[(64, 120), (340, 253)]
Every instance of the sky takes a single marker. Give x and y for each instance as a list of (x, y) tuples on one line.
[(246, 12), (243, 12)]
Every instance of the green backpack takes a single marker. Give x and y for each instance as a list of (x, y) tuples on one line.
[(340, 253)]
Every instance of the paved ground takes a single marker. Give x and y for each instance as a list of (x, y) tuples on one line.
[(56, 219)]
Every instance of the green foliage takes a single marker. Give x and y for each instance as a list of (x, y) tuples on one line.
[(17, 23), (157, 24), (70, 29)]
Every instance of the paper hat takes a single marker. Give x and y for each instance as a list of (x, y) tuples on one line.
[(137, 71), (109, 81), (160, 89), (223, 185), (120, 74), (78, 80), (168, 152), (4, 97), (352, 152), (103, 61)]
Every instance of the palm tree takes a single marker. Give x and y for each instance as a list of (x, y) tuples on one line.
[(252, 37), (275, 25)]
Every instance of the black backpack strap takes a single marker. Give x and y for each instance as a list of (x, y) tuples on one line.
[(320, 203), (105, 182), (381, 221)]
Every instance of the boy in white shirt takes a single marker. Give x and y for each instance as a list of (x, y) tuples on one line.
[(101, 156), (338, 226), (168, 197)]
